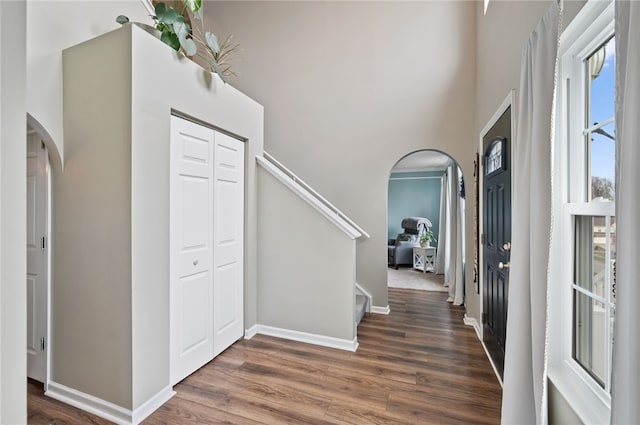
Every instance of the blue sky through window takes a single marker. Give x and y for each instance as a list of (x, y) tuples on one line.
[(602, 108)]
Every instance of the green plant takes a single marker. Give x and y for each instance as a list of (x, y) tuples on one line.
[(219, 59), (427, 236), (177, 33)]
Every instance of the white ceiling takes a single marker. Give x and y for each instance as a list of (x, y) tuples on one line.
[(422, 161)]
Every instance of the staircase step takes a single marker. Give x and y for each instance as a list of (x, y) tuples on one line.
[(361, 307)]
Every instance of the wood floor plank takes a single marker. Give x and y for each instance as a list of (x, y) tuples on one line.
[(354, 414), (435, 411), (188, 412), (277, 393), (418, 365), (246, 405)]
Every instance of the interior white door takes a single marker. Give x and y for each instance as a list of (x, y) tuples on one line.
[(37, 276), (191, 245), (228, 323)]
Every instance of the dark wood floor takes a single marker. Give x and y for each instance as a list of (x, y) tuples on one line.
[(419, 365)]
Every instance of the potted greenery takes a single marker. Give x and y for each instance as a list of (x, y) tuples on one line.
[(175, 31), (426, 238)]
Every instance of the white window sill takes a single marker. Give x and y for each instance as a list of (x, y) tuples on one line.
[(587, 405)]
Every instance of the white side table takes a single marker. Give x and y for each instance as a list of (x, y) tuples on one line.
[(424, 258)]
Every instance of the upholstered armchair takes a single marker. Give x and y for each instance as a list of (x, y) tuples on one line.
[(400, 249)]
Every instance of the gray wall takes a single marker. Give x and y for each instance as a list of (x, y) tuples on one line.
[(91, 295), (306, 266), (414, 195), (349, 88), (13, 205)]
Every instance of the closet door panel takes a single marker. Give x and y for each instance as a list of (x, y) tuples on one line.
[(228, 265), (191, 211)]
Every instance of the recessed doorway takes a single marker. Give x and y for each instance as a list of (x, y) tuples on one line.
[(425, 224), (37, 279)]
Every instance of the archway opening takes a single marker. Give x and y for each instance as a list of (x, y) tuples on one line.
[(426, 224), (42, 158)]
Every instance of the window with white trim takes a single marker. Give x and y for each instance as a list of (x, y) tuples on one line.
[(584, 167), (591, 208)]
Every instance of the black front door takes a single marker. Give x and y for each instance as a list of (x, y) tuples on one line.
[(497, 236)]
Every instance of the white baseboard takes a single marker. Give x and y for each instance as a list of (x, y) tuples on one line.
[(251, 332), (470, 321), (89, 403), (106, 409), (325, 341), (151, 405), (380, 310)]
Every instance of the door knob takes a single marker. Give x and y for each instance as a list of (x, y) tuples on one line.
[(507, 246), (503, 266), (195, 262)]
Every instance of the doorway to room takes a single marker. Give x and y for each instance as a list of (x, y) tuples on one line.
[(38, 191), (425, 224)]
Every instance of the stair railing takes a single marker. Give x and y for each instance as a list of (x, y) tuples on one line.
[(287, 177)]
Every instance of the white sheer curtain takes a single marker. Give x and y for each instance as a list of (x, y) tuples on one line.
[(442, 226), (456, 290), (625, 405), (453, 242), (524, 393), (450, 233)]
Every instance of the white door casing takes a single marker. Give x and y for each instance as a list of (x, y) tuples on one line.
[(37, 258), (228, 206), (191, 245)]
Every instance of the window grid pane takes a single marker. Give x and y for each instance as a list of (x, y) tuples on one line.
[(593, 299), (589, 347), (600, 126)]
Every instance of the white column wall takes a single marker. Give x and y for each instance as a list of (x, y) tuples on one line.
[(111, 302), (13, 258)]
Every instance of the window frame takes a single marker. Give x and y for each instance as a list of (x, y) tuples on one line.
[(593, 26)]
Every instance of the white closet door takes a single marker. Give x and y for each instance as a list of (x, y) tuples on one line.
[(191, 217), (228, 219)]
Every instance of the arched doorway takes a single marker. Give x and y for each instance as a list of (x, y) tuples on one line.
[(426, 203), (41, 155)]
